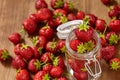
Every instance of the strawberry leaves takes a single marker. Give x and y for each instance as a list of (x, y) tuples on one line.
[(113, 39)]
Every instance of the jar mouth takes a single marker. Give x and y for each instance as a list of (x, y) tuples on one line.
[(87, 55)]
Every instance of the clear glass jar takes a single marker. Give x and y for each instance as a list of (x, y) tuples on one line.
[(87, 63)]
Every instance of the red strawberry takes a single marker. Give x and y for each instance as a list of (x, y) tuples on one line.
[(37, 51), (62, 78), (15, 38), (108, 52), (81, 75), (112, 38), (115, 25), (33, 17), (84, 32), (56, 4), (34, 65), (41, 75), (52, 24), (103, 41), (18, 62), (47, 32), (92, 19), (47, 67), (17, 49), (106, 2), (60, 20), (68, 6), (40, 4), (59, 61), (43, 14), (23, 75), (56, 71), (26, 52), (4, 55), (46, 57), (60, 12), (51, 46), (100, 25), (61, 46), (80, 15), (74, 43), (114, 63), (113, 13), (29, 25), (71, 17), (40, 41)]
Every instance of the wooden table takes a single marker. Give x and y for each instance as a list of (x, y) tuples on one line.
[(13, 12)]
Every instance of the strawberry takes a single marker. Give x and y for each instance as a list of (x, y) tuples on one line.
[(108, 52), (103, 41), (4, 55), (37, 51), (114, 63), (115, 25), (55, 69), (92, 19), (113, 13), (18, 62), (112, 38), (56, 4), (60, 20), (34, 65), (17, 49), (51, 23), (47, 32), (100, 25), (29, 25), (46, 57), (26, 52), (81, 75), (84, 32), (22, 75), (51, 46), (41, 75), (39, 41), (60, 12), (15, 38), (61, 46), (106, 2), (33, 17), (59, 61), (80, 15), (43, 14), (71, 17), (47, 67), (40, 4), (68, 6), (62, 78), (74, 43)]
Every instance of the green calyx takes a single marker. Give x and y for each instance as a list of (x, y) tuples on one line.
[(53, 45), (57, 15), (46, 77), (37, 64), (102, 35), (85, 26), (63, 50), (5, 55), (24, 46), (83, 69), (55, 61), (71, 6), (40, 50), (59, 4), (115, 65), (35, 40), (113, 39), (85, 47), (63, 19)]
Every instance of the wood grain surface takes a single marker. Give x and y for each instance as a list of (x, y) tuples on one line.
[(13, 12)]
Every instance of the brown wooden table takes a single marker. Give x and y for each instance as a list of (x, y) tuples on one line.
[(13, 12)]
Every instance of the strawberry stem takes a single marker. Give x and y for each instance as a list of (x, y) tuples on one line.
[(5, 54)]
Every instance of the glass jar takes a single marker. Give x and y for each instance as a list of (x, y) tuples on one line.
[(83, 66)]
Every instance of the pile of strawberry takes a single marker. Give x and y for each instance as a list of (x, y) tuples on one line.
[(45, 59)]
